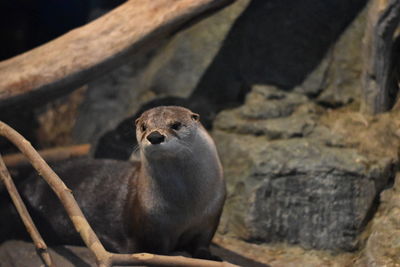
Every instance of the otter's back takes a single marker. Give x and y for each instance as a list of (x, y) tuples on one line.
[(101, 189)]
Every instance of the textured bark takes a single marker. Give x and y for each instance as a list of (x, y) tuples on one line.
[(86, 52), (377, 80)]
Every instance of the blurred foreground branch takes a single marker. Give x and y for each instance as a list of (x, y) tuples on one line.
[(40, 245)]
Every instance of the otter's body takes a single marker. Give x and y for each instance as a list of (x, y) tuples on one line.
[(171, 200)]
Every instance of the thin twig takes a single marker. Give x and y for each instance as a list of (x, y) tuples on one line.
[(40, 245), (104, 258)]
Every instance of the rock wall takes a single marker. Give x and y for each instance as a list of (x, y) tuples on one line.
[(292, 179), (382, 248)]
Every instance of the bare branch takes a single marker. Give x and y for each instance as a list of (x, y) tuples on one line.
[(49, 155), (78, 56), (40, 245), (79, 221), (159, 260)]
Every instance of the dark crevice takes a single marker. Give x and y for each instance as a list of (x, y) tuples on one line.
[(235, 258), (333, 105), (377, 200), (394, 73)]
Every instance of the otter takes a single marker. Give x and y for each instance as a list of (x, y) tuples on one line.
[(171, 200)]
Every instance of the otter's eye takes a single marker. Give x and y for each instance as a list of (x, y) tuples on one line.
[(176, 126), (143, 127), (195, 117)]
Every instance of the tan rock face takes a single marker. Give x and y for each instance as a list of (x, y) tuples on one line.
[(283, 255), (383, 245)]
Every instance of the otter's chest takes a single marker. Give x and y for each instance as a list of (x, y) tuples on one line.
[(179, 216)]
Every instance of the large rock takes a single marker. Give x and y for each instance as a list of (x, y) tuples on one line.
[(270, 112), (286, 182)]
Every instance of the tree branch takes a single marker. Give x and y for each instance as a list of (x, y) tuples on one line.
[(82, 54), (160, 260), (50, 155), (40, 245), (104, 258)]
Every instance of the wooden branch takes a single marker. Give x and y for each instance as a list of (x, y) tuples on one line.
[(89, 51), (104, 258), (160, 260), (49, 155), (383, 19), (41, 247)]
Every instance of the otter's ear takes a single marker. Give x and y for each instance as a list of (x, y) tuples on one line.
[(195, 117), (137, 121)]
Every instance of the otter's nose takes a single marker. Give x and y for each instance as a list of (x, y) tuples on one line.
[(155, 138)]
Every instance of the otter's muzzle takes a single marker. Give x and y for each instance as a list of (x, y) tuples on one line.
[(155, 138)]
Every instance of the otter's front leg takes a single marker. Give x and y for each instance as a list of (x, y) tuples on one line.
[(200, 247)]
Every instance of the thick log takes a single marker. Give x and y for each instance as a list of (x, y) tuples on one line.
[(378, 81), (87, 52)]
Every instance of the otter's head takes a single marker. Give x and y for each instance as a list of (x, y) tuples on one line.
[(166, 131)]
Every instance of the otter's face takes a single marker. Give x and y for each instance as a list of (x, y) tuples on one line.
[(166, 131)]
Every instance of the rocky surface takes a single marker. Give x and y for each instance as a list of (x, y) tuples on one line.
[(383, 244), (219, 59), (283, 255), (173, 68), (335, 81), (278, 42), (23, 254), (270, 112), (293, 179)]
